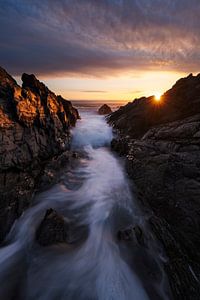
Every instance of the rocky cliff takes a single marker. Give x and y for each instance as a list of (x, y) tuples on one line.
[(181, 101), (34, 128), (161, 143)]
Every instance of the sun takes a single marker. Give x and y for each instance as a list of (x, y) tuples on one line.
[(157, 96)]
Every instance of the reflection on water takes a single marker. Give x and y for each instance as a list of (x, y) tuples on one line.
[(98, 267)]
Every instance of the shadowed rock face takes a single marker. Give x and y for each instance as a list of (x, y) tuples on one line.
[(164, 163), (104, 110), (34, 128)]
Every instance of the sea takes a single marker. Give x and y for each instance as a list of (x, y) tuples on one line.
[(94, 105)]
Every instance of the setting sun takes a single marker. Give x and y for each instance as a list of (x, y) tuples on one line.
[(157, 96)]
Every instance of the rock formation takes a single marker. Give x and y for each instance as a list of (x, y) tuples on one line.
[(34, 128), (161, 143), (104, 110), (180, 102)]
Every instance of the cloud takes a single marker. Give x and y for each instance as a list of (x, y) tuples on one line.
[(101, 38), (91, 91)]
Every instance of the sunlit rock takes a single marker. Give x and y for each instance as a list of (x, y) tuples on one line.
[(34, 128), (162, 148)]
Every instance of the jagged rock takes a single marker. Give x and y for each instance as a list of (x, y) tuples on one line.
[(52, 230), (104, 110), (182, 101), (164, 163), (34, 127)]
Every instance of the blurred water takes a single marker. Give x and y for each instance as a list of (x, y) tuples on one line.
[(96, 268)]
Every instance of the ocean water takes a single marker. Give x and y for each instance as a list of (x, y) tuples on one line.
[(94, 105)]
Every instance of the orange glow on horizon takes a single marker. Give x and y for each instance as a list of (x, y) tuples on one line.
[(124, 88)]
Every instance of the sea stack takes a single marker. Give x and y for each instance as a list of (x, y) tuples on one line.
[(104, 110)]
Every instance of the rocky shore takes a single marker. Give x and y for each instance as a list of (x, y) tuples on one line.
[(161, 143), (34, 133)]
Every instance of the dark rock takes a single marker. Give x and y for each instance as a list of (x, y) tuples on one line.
[(34, 128), (55, 229), (104, 110), (130, 234), (182, 101), (126, 234), (52, 230), (162, 150)]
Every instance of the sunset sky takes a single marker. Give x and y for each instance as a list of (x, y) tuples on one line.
[(101, 49)]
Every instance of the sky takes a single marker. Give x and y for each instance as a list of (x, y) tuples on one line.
[(101, 49)]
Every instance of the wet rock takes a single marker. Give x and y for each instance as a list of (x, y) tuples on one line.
[(162, 150), (104, 110), (126, 234), (34, 128), (130, 234), (55, 228), (52, 230)]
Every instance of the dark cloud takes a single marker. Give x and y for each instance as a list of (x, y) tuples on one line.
[(96, 37)]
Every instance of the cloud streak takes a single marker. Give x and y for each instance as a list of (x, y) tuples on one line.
[(102, 38), (91, 91)]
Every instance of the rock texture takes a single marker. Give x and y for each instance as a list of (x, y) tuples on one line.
[(52, 230), (104, 110), (34, 127), (162, 148), (131, 233), (56, 228)]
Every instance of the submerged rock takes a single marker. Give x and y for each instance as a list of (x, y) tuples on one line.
[(130, 234), (104, 110), (52, 230), (55, 229), (34, 128), (126, 234), (164, 163)]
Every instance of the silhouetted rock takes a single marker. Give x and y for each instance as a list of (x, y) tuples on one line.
[(182, 101), (104, 110), (34, 128), (162, 148), (52, 230)]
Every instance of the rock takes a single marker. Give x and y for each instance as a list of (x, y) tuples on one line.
[(104, 110), (139, 116), (34, 128), (52, 230), (130, 234), (55, 229), (126, 234), (162, 153)]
